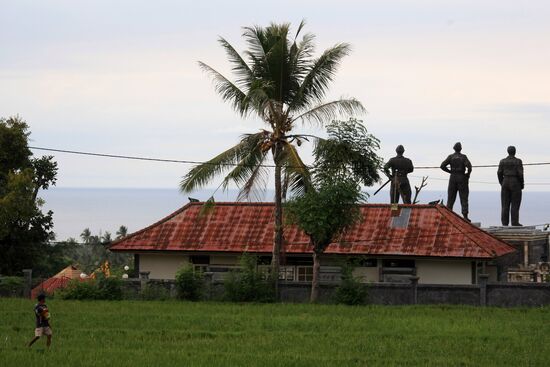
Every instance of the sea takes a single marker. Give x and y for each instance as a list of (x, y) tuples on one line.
[(106, 209)]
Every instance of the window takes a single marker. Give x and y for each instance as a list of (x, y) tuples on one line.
[(200, 268), (200, 259), (398, 263), (299, 260), (363, 262), (305, 273), (286, 273), (200, 263)]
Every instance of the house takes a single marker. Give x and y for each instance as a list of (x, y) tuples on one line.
[(58, 281), (389, 244)]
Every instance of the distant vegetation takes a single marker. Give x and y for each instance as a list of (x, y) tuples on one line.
[(139, 333)]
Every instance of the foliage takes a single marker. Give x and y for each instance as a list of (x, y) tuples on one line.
[(350, 291), (80, 290), (101, 288), (330, 206), (11, 286), (325, 213), (94, 251), (349, 151), (279, 80), (152, 292), (247, 284), (24, 228), (189, 283)]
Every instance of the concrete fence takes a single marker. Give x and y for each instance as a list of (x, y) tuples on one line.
[(483, 294)]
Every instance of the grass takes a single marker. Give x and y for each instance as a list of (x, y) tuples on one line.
[(134, 333)]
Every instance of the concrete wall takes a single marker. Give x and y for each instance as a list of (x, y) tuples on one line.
[(444, 271), (162, 266), (366, 274)]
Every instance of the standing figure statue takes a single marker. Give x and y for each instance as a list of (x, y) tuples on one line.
[(400, 167), (460, 170), (510, 177)]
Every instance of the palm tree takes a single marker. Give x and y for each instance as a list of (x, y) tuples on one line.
[(122, 232), (280, 81)]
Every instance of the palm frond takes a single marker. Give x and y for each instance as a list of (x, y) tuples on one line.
[(207, 208), (296, 172), (203, 173), (249, 167), (321, 73), (329, 111), (227, 90), (255, 185), (244, 74)]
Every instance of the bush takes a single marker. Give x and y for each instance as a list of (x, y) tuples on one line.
[(100, 288), (11, 286), (109, 288), (350, 291), (80, 290), (248, 284), (189, 284), (154, 293)]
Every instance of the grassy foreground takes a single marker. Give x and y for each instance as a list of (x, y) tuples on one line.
[(129, 333)]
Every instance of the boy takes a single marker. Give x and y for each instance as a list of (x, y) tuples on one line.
[(42, 321)]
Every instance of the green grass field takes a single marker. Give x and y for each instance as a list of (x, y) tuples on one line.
[(128, 333)]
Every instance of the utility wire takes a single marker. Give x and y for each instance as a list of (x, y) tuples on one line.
[(150, 159)]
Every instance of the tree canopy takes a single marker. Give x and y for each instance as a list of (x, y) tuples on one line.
[(330, 206), (24, 227)]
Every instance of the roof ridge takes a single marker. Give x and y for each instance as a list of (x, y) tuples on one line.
[(165, 219), (446, 211)]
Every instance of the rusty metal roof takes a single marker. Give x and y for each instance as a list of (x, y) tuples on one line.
[(429, 230)]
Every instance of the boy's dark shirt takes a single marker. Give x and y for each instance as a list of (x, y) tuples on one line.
[(40, 311)]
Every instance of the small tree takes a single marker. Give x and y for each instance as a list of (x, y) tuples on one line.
[(342, 162)]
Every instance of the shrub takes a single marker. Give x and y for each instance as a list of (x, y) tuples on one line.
[(80, 290), (189, 284), (248, 284), (109, 288), (154, 293), (350, 291), (11, 286), (100, 288)]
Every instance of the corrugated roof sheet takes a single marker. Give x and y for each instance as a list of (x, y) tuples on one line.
[(432, 231)]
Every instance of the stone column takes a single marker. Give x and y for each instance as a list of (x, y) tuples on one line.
[(27, 278), (144, 278), (483, 278), (414, 289), (208, 277)]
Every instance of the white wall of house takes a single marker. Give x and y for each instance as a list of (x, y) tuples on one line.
[(444, 271), (366, 275), (162, 266), (224, 260)]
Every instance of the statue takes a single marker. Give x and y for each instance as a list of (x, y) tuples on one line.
[(460, 171), (400, 167), (510, 177)]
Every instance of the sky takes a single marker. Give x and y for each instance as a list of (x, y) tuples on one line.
[(122, 77)]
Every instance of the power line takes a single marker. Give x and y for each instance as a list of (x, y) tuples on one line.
[(182, 161)]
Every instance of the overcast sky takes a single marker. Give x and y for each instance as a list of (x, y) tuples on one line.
[(121, 77)]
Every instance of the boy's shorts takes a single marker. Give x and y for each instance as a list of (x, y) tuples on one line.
[(39, 331)]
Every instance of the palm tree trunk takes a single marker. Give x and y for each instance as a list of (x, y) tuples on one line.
[(278, 237), (315, 279)]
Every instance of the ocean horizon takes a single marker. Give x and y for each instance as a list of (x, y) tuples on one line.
[(106, 209)]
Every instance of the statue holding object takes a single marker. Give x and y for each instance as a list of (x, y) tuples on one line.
[(397, 169)]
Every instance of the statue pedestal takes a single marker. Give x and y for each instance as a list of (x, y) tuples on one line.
[(532, 247)]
